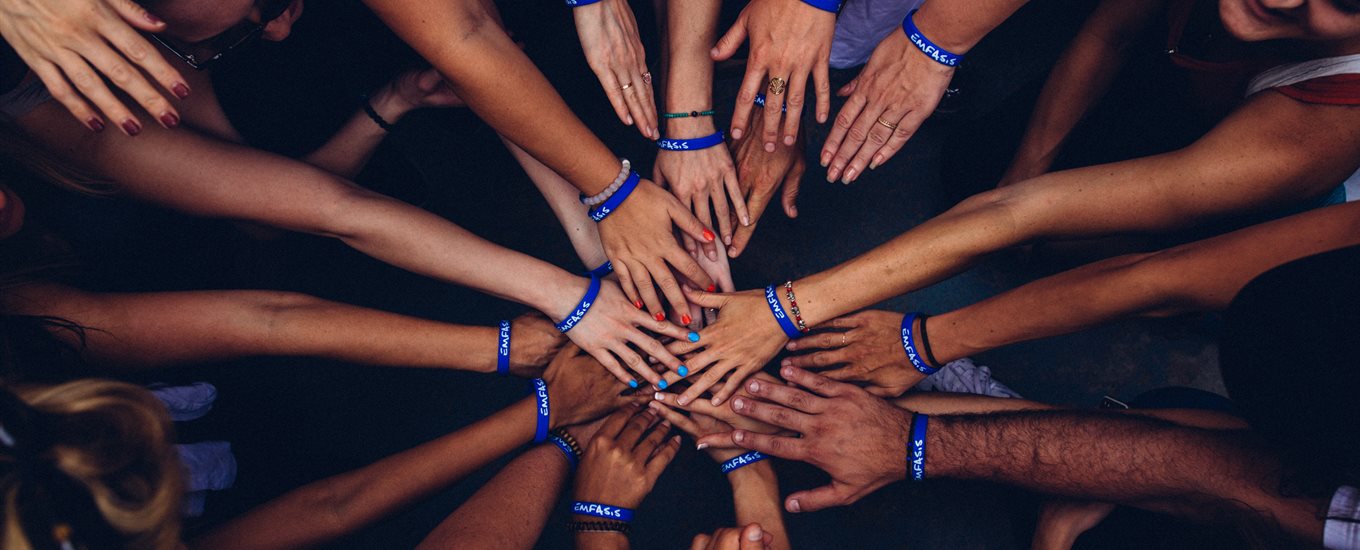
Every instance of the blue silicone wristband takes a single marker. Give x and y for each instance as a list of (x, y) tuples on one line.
[(579, 3), (742, 460), (790, 329), (544, 411), (565, 448), (833, 6), (909, 345), (695, 144), (600, 272), (933, 51), (503, 350), (581, 308), (601, 511), (602, 211), (760, 102), (916, 447)]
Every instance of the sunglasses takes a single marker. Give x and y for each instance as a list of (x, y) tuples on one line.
[(200, 55)]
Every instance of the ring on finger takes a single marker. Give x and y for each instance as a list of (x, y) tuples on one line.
[(626, 86), (777, 85), (844, 340), (887, 124), (647, 78)]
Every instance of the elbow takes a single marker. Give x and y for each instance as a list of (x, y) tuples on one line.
[(1157, 282)]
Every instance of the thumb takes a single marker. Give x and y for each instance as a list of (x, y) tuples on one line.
[(848, 88), (813, 500), (706, 299), (428, 80), (731, 40), (790, 197), (752, 537), (137, 16)]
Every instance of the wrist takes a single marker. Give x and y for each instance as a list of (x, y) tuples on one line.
[(560, 297), (940, 33), (759, 474), (390, 105), (690, 127)]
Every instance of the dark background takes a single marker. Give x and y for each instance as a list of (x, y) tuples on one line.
[(292, 421)]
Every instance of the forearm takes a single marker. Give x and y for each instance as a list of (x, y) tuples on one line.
[(335, 506), (348, 151), (755, 494), (511, 509), (958, 26), (463, 40), (566, 205), (691, 32), (1199, 276), (1123, 459)]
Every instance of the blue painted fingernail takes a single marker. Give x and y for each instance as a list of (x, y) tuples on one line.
[(683, 370), (693, 337), (662, 384), (632, 383)]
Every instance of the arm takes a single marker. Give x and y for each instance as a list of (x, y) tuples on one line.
[(755, 494), (325, 510), (1271, 153), (566, 205), (511, 509), (619, 467), (1080, 77), (175, 328), (609, 38)]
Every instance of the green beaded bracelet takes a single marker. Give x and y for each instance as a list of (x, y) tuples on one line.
[(689, 114)]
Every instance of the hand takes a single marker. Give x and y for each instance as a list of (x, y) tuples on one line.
[(697, 426), (719, 270), (899, 86), (760, 173), (720, 415), (534, 341), (745, 337), (423, 88), (859, 439), (639, 241), (789, 39), (612, 324), (72, 45), (621, 463), (579, 390), (700, 178), (751, 537), (870, 347), (609, 36)]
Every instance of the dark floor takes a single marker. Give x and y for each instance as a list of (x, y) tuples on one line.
[(296, 421)]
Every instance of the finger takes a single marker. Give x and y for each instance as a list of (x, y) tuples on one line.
[(137, 16), (856, 138), (731, 386), (738, 202), (773, 445), (635, 429), (790, 197), (613, 89), (848, 88), (722, 212), (770, 413), (691, 225), (663, 457), (731, 40), (612, 365), (753, 537), (61, 91), (642, 278), (615, 422), (773, 112), (835, 140), (630, 85), (670, 287), (651, 347), (700, 406), (813, 500), (821, 78), (751, 85), (700, 542), (703, 210), (712, 373), (878, 136), (128, 78), (817, 383), (788, 396), (690, 269), (797, 94), (626, 283), (635, 363), (652, 439), (904, 131), (662, 327), (848, 373), (758, 202), (91, 85), (135, 48), (647, 117), (885, 393), (685, 423), (820, 340)]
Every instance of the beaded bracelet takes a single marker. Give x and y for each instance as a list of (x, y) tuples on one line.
[(602, 211), (567, 444), (793, 306), (625, 168), (933, 51), (785, 324), (694, 114), (598, 527)]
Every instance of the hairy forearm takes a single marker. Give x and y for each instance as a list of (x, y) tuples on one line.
[(463, 40), (511, 509), (755, 494), (325, 510), (1199, 276), (566, 205), (958, 26), (1123, 459)]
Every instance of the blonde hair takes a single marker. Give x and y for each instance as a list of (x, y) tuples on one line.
[(89, 461)]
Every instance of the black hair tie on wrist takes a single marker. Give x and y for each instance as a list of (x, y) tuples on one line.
[(925, 343), (373, 114)]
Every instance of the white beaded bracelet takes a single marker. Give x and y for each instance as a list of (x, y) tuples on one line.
[(627, 167)]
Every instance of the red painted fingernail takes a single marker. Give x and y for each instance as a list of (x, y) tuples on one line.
[(684, 319), (170, 120), (708, 235), (95, 124), (153, 19), (637, 304), (131, 127), (181, 90), (660, 316), (712, 288)]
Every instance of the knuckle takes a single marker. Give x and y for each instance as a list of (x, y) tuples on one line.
[(843, 119), (878, 138), (857, 134)]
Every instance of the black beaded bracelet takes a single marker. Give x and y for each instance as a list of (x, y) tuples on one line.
[(373, 114), (571, 441), (598, 527)]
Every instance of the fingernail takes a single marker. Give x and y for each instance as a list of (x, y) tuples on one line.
[(754, 386), (736, 133), (131, 127), (738, 436), (712, 288), (660, 316), (708, 235), (181, 90), (833, 174), (878, 159), (662, 384), (693, 336), (826, 159), (746, 221), (769, 147), (850, 175), (727, 240), (713, 52), (682, 401), (754, 535), (715, 401), (793, 211), (632, 384), (683, 371), (170, 120), (95, 124), (787, 371), (795, 507), (628, 119), (685, 320), (732, 251), (701, 446), (788, 140), (791, 346), (659, 396), (152, 18), (637, 304), (712, 255), (738, 404)]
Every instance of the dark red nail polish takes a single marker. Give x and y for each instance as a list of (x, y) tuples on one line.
[(181, 90), (660, 316), (637, 304), (708, 235), (684, 319), (712, 288), (153, 19), (131, 127), (96, 124), (170, 120)]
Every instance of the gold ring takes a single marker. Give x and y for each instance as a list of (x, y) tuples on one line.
[(887, 124), (844, 342), (777, 85), (626, 86)]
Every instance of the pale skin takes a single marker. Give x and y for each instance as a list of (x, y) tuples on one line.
[(1199, 276)]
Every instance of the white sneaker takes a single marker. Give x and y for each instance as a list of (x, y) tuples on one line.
[(962, 376)]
